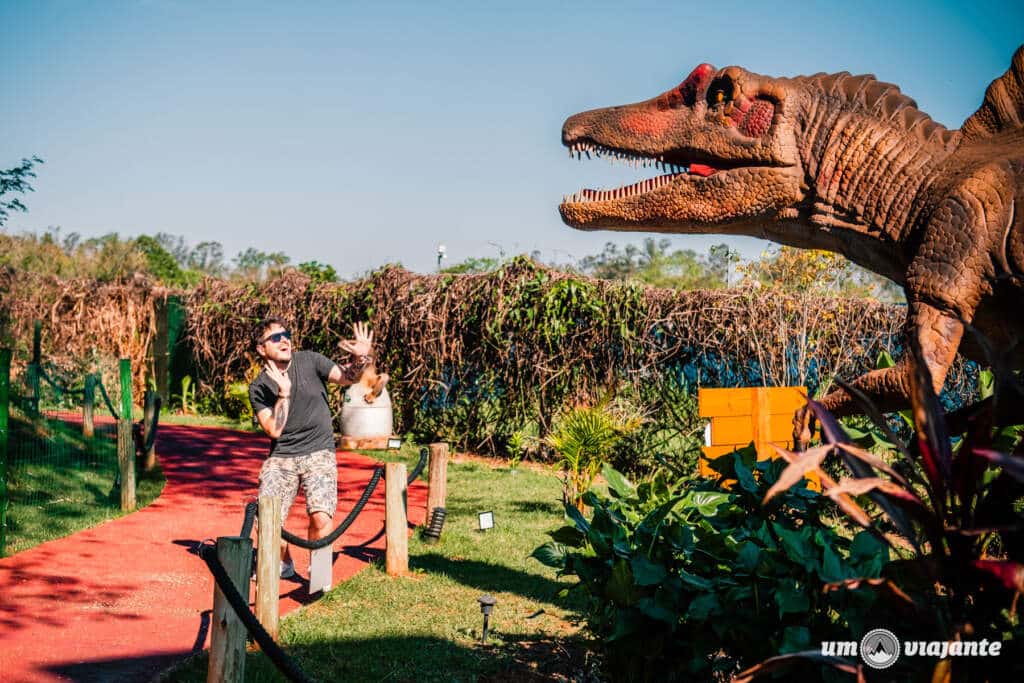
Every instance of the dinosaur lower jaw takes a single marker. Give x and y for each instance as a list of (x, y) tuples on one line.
[(725, 201), (639, 188)]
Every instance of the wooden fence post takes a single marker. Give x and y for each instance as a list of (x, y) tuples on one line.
[(437, 487), (34, 366), (89, 407), (148, 420), (125, 442), (395, 526), (227, 632), (268, 564), (5, 402)]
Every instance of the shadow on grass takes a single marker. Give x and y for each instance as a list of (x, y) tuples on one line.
[(413, 658), (489, 577), (547, 507)]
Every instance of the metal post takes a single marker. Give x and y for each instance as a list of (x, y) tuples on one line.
[(5, 397), (125, 443)]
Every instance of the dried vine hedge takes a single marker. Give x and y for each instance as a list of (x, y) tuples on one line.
[(473, 358), (86, 326)]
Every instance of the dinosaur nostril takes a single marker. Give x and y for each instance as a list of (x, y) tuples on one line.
[(575, 127)]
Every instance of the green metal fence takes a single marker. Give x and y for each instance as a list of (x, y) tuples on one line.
[(59, 462)]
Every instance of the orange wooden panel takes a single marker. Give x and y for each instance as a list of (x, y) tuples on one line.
[(731, 402), (713, 452), (740, 429)]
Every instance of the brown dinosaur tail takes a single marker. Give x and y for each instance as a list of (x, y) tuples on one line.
[(1003, 108)]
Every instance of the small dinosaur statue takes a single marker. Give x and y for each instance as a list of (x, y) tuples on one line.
[(846, 164)]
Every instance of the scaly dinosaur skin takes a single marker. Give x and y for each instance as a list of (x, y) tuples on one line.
[(843, 163)]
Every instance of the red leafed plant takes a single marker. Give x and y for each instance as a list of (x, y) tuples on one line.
[(949, 504)]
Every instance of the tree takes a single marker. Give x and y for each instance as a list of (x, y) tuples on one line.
[(208, 258), (15, 180), (474, 265), (653, 264), (175, 245), (319, 272)]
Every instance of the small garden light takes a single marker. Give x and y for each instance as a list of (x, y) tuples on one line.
[(487, 603)]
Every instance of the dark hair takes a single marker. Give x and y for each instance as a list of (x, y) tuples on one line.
[(261, 327)]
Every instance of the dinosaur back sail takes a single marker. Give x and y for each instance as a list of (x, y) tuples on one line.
[(1003, 108)]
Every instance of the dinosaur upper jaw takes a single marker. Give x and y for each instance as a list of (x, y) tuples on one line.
[(701, 193)]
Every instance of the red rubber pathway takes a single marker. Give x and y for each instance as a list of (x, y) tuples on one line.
[(126, 599)]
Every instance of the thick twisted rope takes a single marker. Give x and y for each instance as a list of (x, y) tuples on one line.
[(416, 471), (106, 399), (378, 472), (57, 386), (250, 516), (282, 661)]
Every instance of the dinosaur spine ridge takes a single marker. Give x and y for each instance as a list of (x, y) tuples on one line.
[(1003, 107)]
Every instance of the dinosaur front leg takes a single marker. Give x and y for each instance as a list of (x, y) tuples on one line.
[(937, 333)]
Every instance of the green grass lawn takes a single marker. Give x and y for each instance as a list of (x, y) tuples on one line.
[(426, 627), (59, 484)]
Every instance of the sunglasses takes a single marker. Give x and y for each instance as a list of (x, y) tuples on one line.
[(277, 337)]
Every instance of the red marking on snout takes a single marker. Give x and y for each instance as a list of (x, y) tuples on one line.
[(649, 123), (696, 83)]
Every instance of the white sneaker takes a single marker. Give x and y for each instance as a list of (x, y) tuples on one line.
[(287, 570)]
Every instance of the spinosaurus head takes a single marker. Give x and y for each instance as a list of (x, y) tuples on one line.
[(727, 139)]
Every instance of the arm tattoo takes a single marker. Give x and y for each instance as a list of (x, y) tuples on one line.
[(281, 413)]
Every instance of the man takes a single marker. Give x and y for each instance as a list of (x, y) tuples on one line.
[(289, 399)]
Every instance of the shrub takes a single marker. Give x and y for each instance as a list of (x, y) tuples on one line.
[(686, 581), (951, 508)]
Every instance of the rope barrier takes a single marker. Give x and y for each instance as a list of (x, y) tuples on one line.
[(416, 471), (345, 524), (106, 398), (56, 385), (281, 660), (250, 516)]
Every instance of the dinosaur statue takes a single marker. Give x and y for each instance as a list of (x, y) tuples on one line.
[(846, 164)]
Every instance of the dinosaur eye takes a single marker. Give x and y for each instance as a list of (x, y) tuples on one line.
[(720, 91)]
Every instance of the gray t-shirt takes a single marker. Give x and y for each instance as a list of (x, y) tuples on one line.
[(308, 428)]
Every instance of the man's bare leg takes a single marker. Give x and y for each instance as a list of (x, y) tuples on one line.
[(319, 525)]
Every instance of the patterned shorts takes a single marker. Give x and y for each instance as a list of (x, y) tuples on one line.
[(318, 474)]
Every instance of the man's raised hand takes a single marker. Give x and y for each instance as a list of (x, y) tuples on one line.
[(362, 345), (284, 385)]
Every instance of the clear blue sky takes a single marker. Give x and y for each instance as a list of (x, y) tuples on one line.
[(361, 133)]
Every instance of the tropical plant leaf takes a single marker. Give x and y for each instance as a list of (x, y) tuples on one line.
[(871, 410), (873, 460), (617, 483), (646, 572), (932, 440), (551, 554), (784, 661), (568, 535), (830, 427), (800, 464), (1013, 465), (878, 583), (859, 487), (577, 517), (1009, 573)]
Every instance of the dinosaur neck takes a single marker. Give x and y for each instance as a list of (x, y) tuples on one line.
[(868, 178)]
